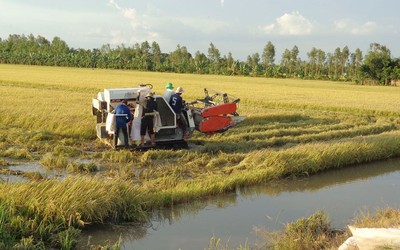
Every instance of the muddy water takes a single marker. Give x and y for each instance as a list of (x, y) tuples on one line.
[(235, 217), (18, 169)]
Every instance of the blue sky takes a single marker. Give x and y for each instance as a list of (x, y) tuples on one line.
[(237, 26)]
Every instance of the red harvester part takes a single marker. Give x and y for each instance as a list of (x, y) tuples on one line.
[(216, 118), (221, 109), (215, 124)]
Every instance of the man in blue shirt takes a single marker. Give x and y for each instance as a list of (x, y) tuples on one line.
[(124, 116), (176, 104)]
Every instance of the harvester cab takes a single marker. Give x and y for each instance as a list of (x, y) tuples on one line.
[(213, 114)]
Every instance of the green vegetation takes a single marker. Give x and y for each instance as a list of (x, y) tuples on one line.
[(305, 233), (293, 128), (378, 66), (314, 232)]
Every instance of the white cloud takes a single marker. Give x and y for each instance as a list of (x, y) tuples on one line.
[(366, 28), (130, 14), (349, 26), (269, 28), (222, 3), (117, 38), (341, 24), (290, 24), (114, 4), (204, 25), (139, 24)]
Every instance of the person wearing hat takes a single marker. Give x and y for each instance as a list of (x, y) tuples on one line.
[(176, 103), (169, 91), (147, 124), (124, 116)]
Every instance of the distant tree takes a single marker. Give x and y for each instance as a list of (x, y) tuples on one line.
[(200, 62), (243, 69), (377, 64), (180, 60), (321, 60), (254, 63), (285, 60), (337, 62), (312, 62), (268, 58), (231, 65), (294, 61), (268, 55), (156, 56), (355, 62), (345, 58), (214, 56), (145, 58)]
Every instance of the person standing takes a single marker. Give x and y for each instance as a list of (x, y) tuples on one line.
[(147, 124), (176, 103), (169, 91), (123, 117)]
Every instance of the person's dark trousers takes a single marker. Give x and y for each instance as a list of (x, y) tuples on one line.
[(181, 119), (125, 132), (147, 125)]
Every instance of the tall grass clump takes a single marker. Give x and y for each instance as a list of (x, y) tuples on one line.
[(67, 151), (315, 157), (3, 163), (306, 233), (66, 239), (386, 218), (121, 156), (54, 162), (216, 244), (45, 208), (16, 153), (6, 237), (80, 167)]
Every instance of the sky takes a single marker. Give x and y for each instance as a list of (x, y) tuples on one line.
[(242, 27)]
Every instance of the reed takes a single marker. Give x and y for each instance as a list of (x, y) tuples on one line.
[(314, 232), (79, 167), (54, 162), (50, 208), (305, 233), (3, 163), (386, 218)]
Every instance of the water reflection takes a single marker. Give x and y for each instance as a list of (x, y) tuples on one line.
[(26, 171), (111, 233), (232, 217), (326, 179)]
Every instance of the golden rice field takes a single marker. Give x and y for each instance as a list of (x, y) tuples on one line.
[(292, 128)]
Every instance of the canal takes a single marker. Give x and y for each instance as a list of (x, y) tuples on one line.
[(239, 218)]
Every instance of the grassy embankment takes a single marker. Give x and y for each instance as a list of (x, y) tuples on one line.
[(293, 128)]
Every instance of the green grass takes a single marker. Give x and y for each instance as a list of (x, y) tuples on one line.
[(292, 128), (305, 233)]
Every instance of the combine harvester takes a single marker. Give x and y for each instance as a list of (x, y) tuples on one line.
[(211, 115)]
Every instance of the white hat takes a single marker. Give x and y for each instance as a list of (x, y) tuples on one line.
[(179, 90)]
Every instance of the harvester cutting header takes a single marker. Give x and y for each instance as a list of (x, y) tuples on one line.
[(216, 113)]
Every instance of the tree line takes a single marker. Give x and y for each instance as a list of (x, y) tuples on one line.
[(377, 66)]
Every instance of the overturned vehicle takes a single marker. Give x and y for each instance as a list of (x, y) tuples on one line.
[(216, 113)]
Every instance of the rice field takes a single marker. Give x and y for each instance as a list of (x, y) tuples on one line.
[(292, 128)]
